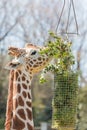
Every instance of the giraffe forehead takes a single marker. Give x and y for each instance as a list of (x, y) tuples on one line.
[(32, 46), (31, 49)]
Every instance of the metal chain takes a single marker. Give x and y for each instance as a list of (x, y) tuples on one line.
[(59, 20)]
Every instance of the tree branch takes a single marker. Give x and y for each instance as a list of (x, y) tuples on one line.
[(8, 31)]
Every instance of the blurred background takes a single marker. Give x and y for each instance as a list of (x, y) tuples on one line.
[(29, 21)]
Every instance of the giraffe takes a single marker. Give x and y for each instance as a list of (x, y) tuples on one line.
[(26, 62)]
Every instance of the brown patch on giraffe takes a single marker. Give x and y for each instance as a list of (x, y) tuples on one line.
[(36, 65), (31, 62), (28, 104), (19, 72), (18, 79), (24, 94), (30, 65), (27, 81), (23, 78), (40, 62), (39, 58), (18, 88), (27, 67), (29, 96), (44, 59), (24, 86), (34, 60), (29, 114), (44, 63), (16, 75), (30, 72), (31, 69), (21, 113), (17, 123), (20, 101), (30, 127)]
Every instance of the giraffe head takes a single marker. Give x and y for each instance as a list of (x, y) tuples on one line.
[(28, 58)]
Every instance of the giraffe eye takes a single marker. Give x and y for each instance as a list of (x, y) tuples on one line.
[(33, 53)]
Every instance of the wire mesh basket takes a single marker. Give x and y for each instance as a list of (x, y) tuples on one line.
[(65, 101)]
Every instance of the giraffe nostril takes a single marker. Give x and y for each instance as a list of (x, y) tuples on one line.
[(10, 64)]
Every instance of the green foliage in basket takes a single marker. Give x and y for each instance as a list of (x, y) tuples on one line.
[(59, 49)]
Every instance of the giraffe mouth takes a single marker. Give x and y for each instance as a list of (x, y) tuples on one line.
[(15, 65)]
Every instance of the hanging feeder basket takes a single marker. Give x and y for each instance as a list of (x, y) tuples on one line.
[(65, 94), (65, 101)]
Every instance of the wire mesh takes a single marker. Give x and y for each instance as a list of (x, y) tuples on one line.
[(65, 100)]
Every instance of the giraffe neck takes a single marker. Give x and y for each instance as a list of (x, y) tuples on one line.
[(9, 102), (22, 118)]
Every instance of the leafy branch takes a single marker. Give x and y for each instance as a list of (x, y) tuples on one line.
[(60, 50)]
